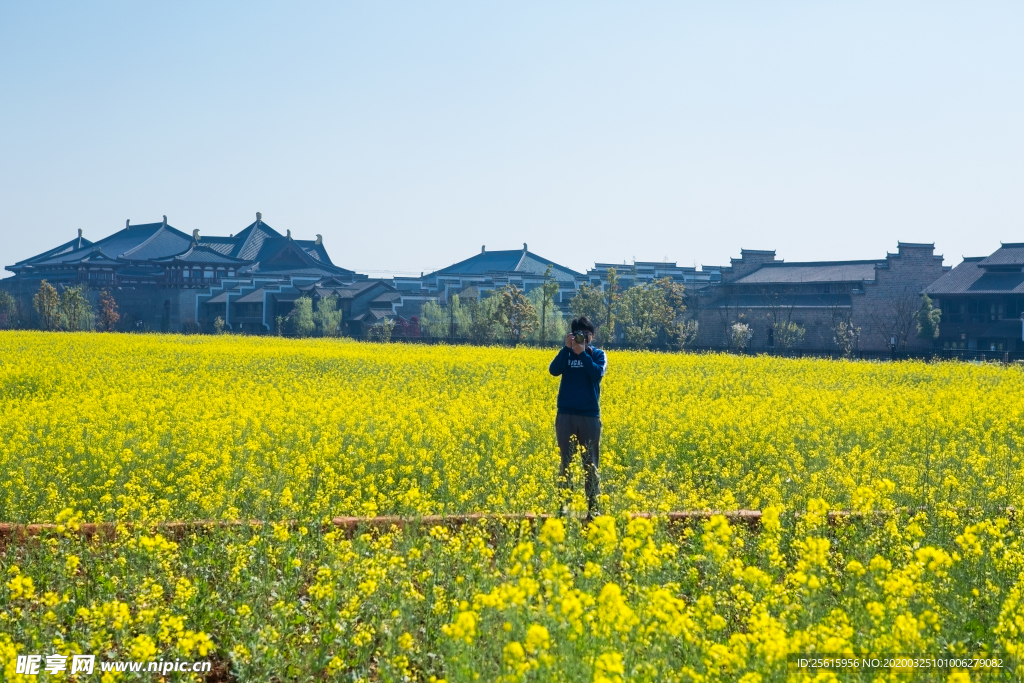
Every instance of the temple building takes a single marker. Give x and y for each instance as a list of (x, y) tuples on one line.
[(486, 271), (166, 280)]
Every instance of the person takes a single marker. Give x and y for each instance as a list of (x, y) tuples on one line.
[(581, 367)]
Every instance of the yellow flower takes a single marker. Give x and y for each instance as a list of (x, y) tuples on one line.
[(537, 638), (608, 668), (553, 531), (143, 647), (463, 628), (21, 587)]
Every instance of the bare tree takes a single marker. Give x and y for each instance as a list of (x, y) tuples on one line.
[(844, 336), (893, 318), (726, 309), (779, 306)]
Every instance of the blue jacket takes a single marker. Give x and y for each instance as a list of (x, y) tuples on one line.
[(580, 390)]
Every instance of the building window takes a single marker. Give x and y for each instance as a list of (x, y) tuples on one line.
[(184, 273), (208, 273)]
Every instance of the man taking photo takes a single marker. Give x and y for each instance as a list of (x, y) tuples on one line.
[(581, 367)]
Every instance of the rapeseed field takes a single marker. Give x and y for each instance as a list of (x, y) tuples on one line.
[(145, 429)]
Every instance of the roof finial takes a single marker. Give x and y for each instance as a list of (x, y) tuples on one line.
[(259, 216), (483, 248), (195, 235), (524, 246), (319, 239), (127, 223), (165, 221), (79, 233)]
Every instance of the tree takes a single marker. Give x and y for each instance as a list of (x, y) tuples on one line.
[(435, 318), (611, 298), (514, 313), (47, 304), (677, 330), (787, 334), (301, 317), (553, 325), (599, 305), (928, 318), (644, 313), (684, 333), (739, 336), (381, 331), (893, 318), (779, 306), (845, 337), (327, 317), (548, 292), (589, 302), (108, 311), (726, 307), (480, 320), (675, 295), (409, 329), (219, 325), (448, 321), (75, 310), (8, 311)]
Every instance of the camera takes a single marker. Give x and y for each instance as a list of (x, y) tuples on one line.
[(580, 338)]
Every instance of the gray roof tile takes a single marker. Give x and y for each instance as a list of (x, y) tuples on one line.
[(834, 271), (970, 277)]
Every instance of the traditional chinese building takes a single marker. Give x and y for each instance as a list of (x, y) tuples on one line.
[(876, 297), (167, 280), (982, 302)]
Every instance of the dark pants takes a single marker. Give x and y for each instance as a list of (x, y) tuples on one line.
[(587, 431)]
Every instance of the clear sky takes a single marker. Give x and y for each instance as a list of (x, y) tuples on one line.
[(409, 134)]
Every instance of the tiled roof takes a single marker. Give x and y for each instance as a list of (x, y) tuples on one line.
[(357, 288), (164, 242), (315, 250), (827, 271), (251, 239), (374, 314), (507, 261), (159, 243), (254, 297), (220, 298), (289, 270), (67, 247), (203, 253), (222, 245), (970, 277), (1011, 254), (94, 255), (113, 245)]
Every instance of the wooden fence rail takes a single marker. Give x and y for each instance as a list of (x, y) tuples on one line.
[(352, 525)]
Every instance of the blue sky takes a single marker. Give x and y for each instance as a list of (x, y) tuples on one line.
[(410, 134)]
